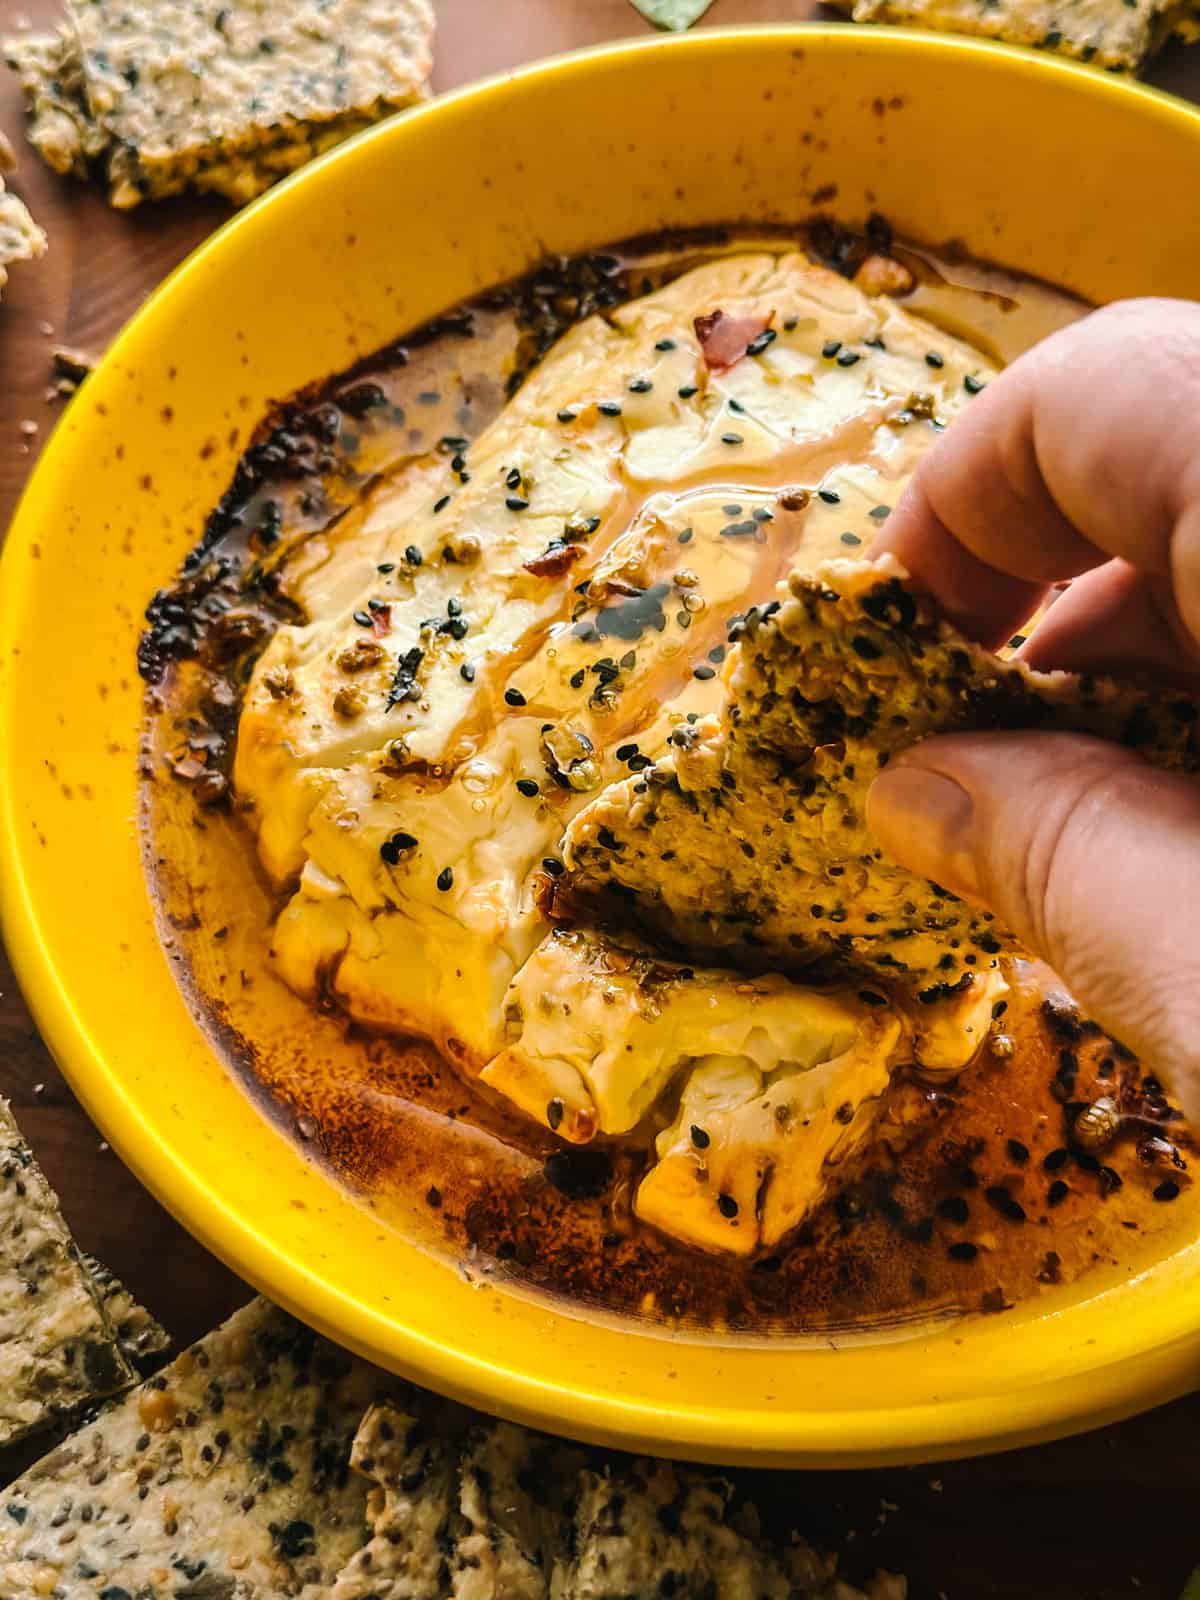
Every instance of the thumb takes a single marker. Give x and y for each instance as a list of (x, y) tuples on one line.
[(1088, 854)]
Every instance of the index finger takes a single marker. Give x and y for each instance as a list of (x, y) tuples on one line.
[(1086, 448)]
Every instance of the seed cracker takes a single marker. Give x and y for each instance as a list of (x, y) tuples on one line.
[(226, 1475), (651, 1529), (141, 1338), (59, 122), (228, 99), (20, 237), (516, 1492), (1119, 35), (752, 835), (58, 1349)]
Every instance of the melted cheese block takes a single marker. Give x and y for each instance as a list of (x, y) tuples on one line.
[(491, 644)]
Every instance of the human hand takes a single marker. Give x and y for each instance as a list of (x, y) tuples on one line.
[(1081, 461)]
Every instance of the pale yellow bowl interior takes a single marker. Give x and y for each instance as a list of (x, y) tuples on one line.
[(1068, 174)]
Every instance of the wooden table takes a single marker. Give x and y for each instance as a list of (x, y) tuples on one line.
[(1114, 1514)]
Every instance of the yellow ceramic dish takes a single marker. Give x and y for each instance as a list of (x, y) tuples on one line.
[(1031, 162)]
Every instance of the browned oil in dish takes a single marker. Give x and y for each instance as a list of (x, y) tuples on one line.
[(975, 1197)]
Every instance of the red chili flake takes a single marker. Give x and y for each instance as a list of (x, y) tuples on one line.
[(553, 563), (381, 621), (724, 339)]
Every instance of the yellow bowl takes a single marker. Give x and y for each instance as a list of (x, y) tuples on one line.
[(1034, 163)]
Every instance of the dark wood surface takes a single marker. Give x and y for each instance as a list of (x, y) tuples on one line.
[(1116, 1513)]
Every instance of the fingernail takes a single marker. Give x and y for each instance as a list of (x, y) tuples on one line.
[(924, 820)]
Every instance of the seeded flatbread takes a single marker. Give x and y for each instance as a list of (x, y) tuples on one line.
[(1118, 35), (228, 1474), (20, 237), (650, 1530), (57, 1346), (142, 1340), (60, 125), (516, 1492), (230, 98), (751, 834), (411, 1510)]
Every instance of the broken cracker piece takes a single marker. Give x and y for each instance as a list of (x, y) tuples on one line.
[(20, 237), (751, 836), (227, 1474), (141, 1338), (654, 1529), (1115, 34), (60, 124), (411, 1510), (58, 1350), (229, 100)]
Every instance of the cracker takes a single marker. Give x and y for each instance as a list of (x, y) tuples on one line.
[(20, 237), (650, 1530), (752, 835), (230, 98), (141, 1338), (515, 1491), (57, 1345), (60, 125), (412, 1510), (226, 1475), (1116, 34)]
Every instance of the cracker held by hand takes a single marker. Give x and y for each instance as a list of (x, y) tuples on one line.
[(751, 836), (229, 98), (58, 1348), (228, 1474)]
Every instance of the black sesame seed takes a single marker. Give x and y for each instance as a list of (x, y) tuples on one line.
[(850, 538), (527, 786), (665, 344), (440, 505), (363, 618), (566, 416), (963, 1250), (763, 515), (467, 672), (578, 679), (514, 697), (932, 359), (727, 1205), (699, 1138), (413, 556), (848, 358), (973, 385), (553, 866), (1000, 1200), (880, 513), (830, 496), (732, 438), (445, 879), (385, 567), (1166, 1190), (1017, 1152), (954, 1208), (554, 1113), (717, 653), (736, 406), (830, 348), (759, 344), (516, 502), (640, 386), (687, 391), (609, 408), (624, 751), (704, 673), (686, 536), (1057, 1192)]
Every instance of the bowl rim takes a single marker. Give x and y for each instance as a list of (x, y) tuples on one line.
[(836, 1438)]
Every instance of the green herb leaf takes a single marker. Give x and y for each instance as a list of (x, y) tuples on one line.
[(1192, 1592), (674, 15)]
